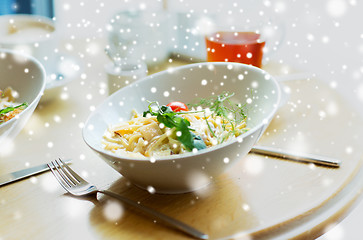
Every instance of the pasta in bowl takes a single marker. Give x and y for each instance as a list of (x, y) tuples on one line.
[(8, 107), (157, 147), (174, 129)]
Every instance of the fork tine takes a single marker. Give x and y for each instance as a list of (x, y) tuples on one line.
[(65, 172), (59, 178), (74, 175)]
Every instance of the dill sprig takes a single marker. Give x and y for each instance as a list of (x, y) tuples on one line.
[(222, 105)]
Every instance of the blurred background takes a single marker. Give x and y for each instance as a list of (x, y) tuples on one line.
[(319, 38)]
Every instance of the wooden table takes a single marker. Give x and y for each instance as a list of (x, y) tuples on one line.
[(261, 196)]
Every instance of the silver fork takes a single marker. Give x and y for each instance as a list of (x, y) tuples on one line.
[(76, 185)]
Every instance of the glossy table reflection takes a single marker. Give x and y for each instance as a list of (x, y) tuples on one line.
[(260, 197)]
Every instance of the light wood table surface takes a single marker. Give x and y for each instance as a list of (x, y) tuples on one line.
[(259, 198)]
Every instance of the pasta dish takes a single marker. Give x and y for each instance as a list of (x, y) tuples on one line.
[(8, 107), (174, 129)]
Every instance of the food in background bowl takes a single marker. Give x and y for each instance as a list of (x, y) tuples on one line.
[(174, 129), (8, 107), (189, 171), (26, 76)]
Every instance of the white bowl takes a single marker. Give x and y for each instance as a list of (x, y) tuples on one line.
[(27, 77), (190, 171), (65, 71)]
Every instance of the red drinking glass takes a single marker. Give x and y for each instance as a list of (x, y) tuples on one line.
[(231, 46)]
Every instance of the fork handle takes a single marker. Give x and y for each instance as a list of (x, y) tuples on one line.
[(158, 215)]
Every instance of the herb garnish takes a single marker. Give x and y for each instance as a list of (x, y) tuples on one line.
[(221, 105), (170, 119), (231, 115), (10, 109)]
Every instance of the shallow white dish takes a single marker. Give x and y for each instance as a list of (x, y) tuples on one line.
[(190, 171), (66, 70), (27, 77)]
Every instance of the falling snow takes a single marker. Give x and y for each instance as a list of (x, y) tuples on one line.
[(113, 210), (336, 8), (318, 37)]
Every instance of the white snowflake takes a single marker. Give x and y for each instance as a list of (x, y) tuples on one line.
[(336, 8), (113, 211)]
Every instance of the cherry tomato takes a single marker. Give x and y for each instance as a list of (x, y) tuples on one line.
[(178, 106)]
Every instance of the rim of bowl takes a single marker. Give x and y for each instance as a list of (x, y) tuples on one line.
[(40, 93), (34, 17), (202, 151)]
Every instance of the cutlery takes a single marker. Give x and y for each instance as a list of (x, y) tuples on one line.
[(299, 157), (77, 186), (24, 173)]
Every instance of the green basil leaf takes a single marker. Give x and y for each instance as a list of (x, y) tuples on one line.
[(198, 142), (170, 119)]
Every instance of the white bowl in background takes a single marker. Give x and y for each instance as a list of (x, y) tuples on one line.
[(38, 36), (66, 70), (33, 35), (25, 75), (190, 171)]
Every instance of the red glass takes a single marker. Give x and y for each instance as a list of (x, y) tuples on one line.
[(242, 47)]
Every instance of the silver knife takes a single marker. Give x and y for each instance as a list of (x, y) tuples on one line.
[(21, 174), (299, 157)]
